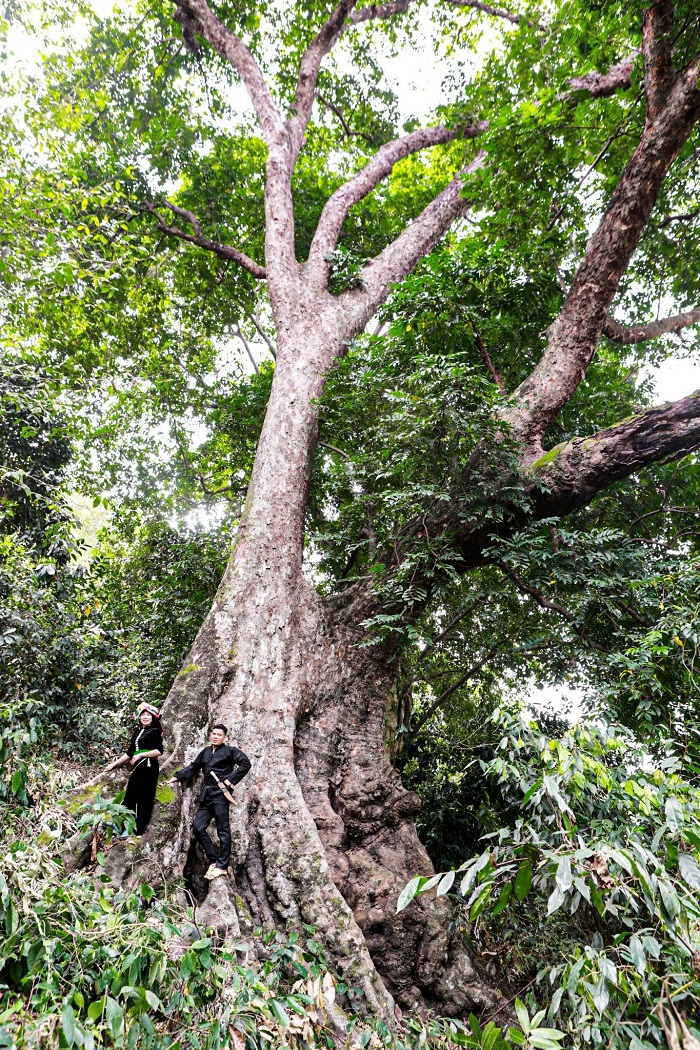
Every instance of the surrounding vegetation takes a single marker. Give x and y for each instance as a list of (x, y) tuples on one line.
[(135, 375)]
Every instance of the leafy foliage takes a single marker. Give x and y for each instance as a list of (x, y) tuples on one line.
[(600, 829)]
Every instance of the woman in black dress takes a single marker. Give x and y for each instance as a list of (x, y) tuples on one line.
[(143, 752)]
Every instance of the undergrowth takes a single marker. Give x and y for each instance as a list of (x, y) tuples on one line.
[(84, 964)]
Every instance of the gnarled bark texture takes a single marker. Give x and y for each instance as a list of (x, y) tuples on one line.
[(323, 829)]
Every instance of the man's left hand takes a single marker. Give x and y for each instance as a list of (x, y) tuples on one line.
[(228, 784)]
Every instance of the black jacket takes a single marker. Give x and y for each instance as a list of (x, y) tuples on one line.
[(223, 762), (145, 738)]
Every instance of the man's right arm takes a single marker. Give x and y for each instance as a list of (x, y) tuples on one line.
[(187, 772)]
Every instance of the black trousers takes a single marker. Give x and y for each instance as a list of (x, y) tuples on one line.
[(141, 791), (214, 809)]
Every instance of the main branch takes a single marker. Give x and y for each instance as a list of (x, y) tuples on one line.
[(659, 74), (419, 238), (630, 336), (574, 335), (199, 17), (603, 85), (357, 188), (575, 471), (309, 68)]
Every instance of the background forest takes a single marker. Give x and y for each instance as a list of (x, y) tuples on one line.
[(135, 375)]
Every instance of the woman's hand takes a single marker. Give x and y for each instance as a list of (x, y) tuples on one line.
[(117, 763), (134, 760)]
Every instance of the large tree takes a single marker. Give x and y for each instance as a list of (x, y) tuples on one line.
[(324, 829)]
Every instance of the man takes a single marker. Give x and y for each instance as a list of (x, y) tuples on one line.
[(217, 762)]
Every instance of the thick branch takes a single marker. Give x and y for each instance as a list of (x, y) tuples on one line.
[(628, 336), (497, 12), (397, 7), (603, 85), (418, 239), (574, 472), (357, 188), (378, 11), (309, 67), (574, 335), (659, 74), (198, 16), (223, 251)]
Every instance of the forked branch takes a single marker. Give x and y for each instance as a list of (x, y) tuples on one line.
[(630, 336), (309, 68), (198, 17), (223, 251), (350, 132), (418, 239), (357, 188)]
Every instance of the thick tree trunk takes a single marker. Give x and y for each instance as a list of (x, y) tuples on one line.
[(323, 829)]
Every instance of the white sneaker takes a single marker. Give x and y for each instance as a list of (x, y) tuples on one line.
[(216, 873), (209, 873)]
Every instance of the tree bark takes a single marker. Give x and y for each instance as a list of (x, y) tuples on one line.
[(323, 829)]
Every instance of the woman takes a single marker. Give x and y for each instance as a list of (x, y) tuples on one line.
[(143, 752)]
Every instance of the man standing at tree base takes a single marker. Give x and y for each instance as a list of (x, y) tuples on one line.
[(223, 767)]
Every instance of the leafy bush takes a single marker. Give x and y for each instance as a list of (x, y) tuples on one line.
[(85, 965), (608, 834)]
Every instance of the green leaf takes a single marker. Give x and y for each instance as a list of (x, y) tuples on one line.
[(430, 883), (203, 942), (674, 814), (601, 995), (279, 1013), (152, 999), (96, 1008), (564, 878), (35, 954), (480, 902), (407, 894), (545, 1038), (468, 880), (503, 898), (522, 1015), (114, 1015), (532, 791), (555, 900), (445, 883), (690, 870), (637, 955), (523, 881), (68, 1024), (669, 900)]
